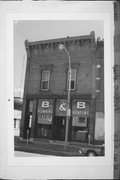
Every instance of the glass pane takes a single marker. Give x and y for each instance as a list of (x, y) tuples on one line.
[(45, 75), (73, 74), (72, 85), (30, 106), (45, 85)]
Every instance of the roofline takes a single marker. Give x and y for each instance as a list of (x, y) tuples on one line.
[(59, 39)]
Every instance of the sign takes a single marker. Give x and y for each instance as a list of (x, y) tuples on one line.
[(45, 106), (61, 107), (44, 119), (80, 108), (81, 105)]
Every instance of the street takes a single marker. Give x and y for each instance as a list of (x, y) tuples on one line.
[(39, 148)]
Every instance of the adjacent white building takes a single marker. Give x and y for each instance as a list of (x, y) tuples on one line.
[(17, 114)]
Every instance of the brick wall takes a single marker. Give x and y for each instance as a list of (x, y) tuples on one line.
[(81, 58)]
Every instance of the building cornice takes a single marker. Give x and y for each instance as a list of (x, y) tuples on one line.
[(43, 47), (60, 40)]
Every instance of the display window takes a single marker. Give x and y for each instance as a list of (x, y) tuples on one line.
[(44, 131), (80, 129)]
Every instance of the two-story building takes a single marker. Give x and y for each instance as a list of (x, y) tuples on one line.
[(46, 90)]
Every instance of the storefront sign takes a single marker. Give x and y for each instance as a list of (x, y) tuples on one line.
[(45, 106), (44, 119), (80, 108), (61, 107)]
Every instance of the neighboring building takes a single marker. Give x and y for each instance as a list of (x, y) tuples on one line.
[(17, 115), (46, 90)]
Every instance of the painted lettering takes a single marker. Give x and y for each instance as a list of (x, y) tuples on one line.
[(63, 107), (45, 104), (81, 105)]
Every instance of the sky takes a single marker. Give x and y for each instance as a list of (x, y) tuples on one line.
[(37, 30)]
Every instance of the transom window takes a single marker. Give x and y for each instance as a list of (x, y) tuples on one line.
[(73, 79), (45, 80)]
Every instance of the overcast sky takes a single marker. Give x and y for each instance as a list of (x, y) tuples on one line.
[(44, 30)]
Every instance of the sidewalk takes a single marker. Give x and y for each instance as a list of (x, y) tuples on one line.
[(46, 148), (27, 154)]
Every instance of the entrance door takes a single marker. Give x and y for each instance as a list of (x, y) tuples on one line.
[(59, 128)]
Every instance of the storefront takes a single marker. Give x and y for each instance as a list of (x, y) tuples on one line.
[(51, 120), (45, 118), (80, 120), (60, 119)]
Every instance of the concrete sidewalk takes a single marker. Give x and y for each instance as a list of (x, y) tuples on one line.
[(27, 154)]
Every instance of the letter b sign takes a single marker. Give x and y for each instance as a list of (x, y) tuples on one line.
[(45, 104), (80, 105)]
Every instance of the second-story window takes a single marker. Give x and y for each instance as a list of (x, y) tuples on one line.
[(73, 79), (45, 80)]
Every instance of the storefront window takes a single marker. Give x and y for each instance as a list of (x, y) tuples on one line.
[(79, 121), (45, 115), (79, 129), (15, 123), (30, 106)]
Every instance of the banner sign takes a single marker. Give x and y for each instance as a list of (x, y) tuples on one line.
[(45, 106), (80, 108)]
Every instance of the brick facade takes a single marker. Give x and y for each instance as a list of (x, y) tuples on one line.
[(86, 54)]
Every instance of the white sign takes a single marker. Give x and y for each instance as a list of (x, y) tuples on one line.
[(81, 105), (45, 104)]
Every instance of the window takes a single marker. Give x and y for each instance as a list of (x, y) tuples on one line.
[(45, 80), (15, 123), (73, 79)]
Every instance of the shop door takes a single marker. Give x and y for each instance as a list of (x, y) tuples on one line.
[(59, 128)]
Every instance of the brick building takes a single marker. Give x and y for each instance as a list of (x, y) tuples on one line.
[(46, 90)]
